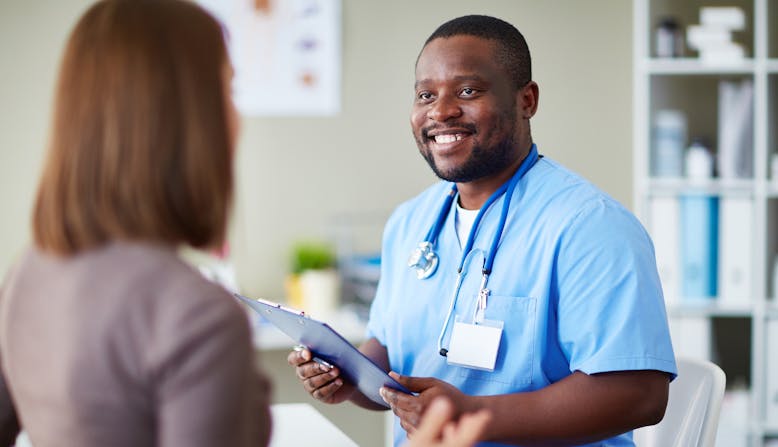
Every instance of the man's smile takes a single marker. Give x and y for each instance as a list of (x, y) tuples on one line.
[(447, 139)]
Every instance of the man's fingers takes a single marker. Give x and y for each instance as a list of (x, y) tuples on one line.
[(298, 357), (310, 369), (397, 398), (406, 407), (415, 384), (317, 380), (326, 391)]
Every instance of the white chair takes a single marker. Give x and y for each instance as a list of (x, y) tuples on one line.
[(693, 408)]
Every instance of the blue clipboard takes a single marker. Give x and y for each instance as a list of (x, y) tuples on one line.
[(326, 344)]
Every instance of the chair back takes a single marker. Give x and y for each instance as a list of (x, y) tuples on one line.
[(693, 408)]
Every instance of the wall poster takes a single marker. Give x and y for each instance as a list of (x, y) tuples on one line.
[(286, 55)]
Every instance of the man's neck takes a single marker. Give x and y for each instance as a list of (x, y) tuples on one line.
[(473, 195)]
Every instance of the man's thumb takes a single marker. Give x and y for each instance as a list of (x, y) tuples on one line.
[(415, 384)]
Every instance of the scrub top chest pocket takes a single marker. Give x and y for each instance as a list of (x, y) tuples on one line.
[(516, 354)]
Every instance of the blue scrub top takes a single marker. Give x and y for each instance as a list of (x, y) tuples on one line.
[(574, 280)]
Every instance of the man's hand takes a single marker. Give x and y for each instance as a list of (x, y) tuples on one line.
[(410, 408), (322, 382), (439, 429)]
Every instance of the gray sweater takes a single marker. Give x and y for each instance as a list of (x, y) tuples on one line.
[(126, 345)]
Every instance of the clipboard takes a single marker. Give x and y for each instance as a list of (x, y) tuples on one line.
[(328, 345)]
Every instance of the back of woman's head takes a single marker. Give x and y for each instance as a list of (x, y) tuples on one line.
[(139, 146)]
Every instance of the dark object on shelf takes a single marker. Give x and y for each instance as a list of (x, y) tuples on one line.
[(669, 38)]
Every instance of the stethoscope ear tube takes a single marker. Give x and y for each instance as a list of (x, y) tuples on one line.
[(425, 260), (441, 350)]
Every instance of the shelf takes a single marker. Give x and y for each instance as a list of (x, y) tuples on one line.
[(732, 329), (694, 66), (708, 308), (670, 186)]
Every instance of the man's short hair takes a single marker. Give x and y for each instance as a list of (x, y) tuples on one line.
[(512, 51)]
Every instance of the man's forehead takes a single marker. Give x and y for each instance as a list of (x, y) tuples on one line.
[(455, 44), (455, 78), (458, 56)]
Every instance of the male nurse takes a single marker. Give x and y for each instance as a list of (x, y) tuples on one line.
[(533, 294)]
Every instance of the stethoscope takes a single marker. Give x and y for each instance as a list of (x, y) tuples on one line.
[(425, 261)]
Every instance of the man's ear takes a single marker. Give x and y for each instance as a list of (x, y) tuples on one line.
[(527, 98)]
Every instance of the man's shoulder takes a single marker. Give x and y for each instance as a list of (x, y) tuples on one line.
[(564, 199), (561, 186)]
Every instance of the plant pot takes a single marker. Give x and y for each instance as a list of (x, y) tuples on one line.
[(319, 290), (294, 292)]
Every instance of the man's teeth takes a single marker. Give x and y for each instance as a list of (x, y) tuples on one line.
[(449, 138)]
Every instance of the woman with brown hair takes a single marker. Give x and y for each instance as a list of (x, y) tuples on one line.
[(106, 337)]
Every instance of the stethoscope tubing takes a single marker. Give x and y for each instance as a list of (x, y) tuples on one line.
[(507, 189)]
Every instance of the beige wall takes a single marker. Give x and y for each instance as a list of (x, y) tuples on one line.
[(297, 176)]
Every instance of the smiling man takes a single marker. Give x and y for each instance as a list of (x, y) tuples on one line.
[(528, 291)]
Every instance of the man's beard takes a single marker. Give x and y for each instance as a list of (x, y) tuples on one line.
[(480, 164)]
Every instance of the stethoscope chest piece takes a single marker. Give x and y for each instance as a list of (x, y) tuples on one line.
[(424, 260)]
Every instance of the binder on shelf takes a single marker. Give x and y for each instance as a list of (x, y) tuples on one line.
[(736, 129), (699, 246), (771, 396), (664, 227), (736, 251), (691, 336)]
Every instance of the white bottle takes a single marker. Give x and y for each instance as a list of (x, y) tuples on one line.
[(699, 162), (668, 143)]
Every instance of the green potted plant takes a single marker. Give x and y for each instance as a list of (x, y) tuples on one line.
[(313, 285)]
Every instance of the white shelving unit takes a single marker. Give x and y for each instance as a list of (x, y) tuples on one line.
[(689, 84)]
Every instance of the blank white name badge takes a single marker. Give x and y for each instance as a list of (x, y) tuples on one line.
[(475, 345)]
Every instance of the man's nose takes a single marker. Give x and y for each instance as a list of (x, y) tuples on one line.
[(443, 109)]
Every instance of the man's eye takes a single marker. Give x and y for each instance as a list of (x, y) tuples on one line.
[(467, 91), (424, 96)]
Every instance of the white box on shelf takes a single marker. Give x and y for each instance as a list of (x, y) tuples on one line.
[(691, 337), (724, 53), (664, 227), (735, 251), (728, 17), (771, 395), (699, 37)]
